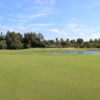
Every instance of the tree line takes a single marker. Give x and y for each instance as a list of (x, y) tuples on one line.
[(13, 40)]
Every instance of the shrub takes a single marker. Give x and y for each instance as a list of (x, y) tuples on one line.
[(3, 44), (16, 45)]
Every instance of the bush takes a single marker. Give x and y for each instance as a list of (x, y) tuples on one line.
[(3, 44), (27, 46), (16, 45)]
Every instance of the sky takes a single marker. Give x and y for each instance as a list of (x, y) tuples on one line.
[(53, 18)]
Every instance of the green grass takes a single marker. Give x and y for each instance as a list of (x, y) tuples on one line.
[(28, 75)]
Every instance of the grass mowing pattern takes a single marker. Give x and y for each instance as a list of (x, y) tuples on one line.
[(37, 76)]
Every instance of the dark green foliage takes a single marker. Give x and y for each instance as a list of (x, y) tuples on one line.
[(13, 40), (80, 43), (3, 44), (16, 45), (1, 36), (33, 40)]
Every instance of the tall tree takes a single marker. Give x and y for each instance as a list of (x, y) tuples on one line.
[(80, 42), (13, 40)]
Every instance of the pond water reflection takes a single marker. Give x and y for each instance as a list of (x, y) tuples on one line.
[(77, 52)]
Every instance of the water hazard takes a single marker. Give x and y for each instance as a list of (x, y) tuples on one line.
[(77, 52)]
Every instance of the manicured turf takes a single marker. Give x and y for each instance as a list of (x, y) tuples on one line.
[(28, 75)]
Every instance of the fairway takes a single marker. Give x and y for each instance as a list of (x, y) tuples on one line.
[(31, 75)]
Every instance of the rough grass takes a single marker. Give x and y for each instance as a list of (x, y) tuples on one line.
[(27, 75)]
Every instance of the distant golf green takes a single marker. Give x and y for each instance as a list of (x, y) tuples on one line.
[(33, 74)]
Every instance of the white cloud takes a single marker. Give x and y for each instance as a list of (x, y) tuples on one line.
[(25, 28), (5, 28), (73, 29), (95, 35), (57, 31), (24, 17), (22, 28), (54, 30), (22, 21), (47, 2), (75, 26), (30, 16), (30, 13), (42, 25), (78, 30)]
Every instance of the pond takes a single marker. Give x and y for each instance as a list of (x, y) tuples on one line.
[(76, 52)]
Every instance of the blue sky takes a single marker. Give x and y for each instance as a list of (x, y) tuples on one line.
[(53, 18)]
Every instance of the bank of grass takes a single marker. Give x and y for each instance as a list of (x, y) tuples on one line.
[(32, 75), (43, 50)]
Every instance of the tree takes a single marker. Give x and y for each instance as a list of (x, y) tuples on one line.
[(14, 40), (33, 40), (16, 45), (27, 40), (73, 43), (67, 43), (63, 43), (58, 43), (1, 36), (80, 42), (3, 44), (51, 44)]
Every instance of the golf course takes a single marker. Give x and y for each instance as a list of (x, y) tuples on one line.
[(36, 74)]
